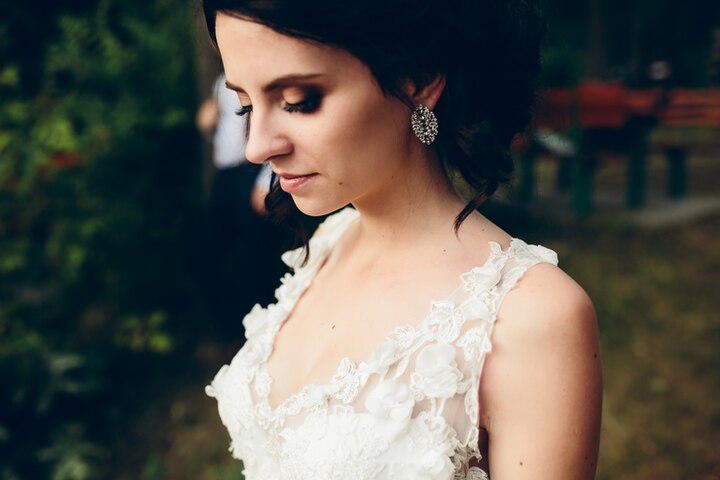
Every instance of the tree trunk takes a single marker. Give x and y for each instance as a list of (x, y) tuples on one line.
[(597, 56), (715, 58), (207, 68)]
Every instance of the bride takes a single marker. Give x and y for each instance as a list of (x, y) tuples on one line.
[(414, 339)]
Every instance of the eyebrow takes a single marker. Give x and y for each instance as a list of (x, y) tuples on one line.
[(280, 82)]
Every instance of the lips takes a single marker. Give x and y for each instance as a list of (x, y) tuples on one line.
[(290, 176), (292, 183)]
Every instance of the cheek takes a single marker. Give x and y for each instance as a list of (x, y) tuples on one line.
[(361, 137)]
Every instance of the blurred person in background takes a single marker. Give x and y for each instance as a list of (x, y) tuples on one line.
[(375, 363), (238, 258)]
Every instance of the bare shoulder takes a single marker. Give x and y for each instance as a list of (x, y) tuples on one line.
[(547, 319), (541, 385), (547, 301)]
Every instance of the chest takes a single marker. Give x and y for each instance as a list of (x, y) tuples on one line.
[(346, 317)]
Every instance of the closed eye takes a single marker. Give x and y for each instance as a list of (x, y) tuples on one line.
[(243, 110), (308, 105)]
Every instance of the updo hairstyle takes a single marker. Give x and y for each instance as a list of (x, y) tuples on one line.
[(488, 51)]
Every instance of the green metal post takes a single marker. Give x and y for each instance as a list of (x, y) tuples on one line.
[(526, 173), (582, 185), (564, 174), (637, 174), (582, 174), (677, 174)]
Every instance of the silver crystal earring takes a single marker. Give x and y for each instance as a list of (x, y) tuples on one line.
[(424, 124)]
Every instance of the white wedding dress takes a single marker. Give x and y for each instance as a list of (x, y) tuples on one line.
[(410, 411)]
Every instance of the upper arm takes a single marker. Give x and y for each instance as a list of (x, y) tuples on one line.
[(541, 388)]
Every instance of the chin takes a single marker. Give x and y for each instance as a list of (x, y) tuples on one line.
[(313, 207)]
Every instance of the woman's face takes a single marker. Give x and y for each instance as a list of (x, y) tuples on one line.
[(317, 115)]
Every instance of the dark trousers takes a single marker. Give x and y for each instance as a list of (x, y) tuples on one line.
[(238, 253)]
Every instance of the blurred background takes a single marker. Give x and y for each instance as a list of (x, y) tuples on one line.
[(108, 333)]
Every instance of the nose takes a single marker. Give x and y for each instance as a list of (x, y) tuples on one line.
[(266, 139)]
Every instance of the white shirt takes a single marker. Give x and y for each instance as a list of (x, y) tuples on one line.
[(231, 132)]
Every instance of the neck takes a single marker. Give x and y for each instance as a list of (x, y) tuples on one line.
[(420, 204)]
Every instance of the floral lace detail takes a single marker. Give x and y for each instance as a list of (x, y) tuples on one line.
[(410, 411), (436, 374)]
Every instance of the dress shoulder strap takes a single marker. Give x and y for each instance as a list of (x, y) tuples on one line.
[(518, 259), (483, 291)]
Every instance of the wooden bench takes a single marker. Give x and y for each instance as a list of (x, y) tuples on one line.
[(600, 116), (686, 110)]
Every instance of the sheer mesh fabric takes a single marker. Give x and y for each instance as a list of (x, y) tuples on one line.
[(409, 411)]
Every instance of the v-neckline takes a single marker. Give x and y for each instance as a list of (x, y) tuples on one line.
[(286, 404)]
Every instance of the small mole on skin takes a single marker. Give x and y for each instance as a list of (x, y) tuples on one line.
[(333, 327), (595, 355), (521, 464)]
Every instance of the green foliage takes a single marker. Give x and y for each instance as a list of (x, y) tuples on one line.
[(98, 184), (70, 455), (144, 333), (630, 35), (562, 67)]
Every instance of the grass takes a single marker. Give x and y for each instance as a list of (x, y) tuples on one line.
[(656, 297)]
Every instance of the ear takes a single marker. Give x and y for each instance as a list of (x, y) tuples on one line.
[(429, 94)]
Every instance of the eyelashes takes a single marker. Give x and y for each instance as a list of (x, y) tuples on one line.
[(243, 110), (308, 105)]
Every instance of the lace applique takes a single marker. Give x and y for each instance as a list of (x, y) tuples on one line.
[(262, 384), (409, 412), (346, 381), (390, 401), (436, 374), (475, 473), (445, 321), (475, 344)]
